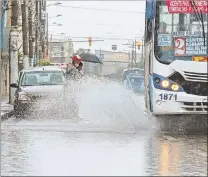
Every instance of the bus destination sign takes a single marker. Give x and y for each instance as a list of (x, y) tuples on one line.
[(191, 46), (185, 6), (164, 40)]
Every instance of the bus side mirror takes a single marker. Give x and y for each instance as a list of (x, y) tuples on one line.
[(150, 9)]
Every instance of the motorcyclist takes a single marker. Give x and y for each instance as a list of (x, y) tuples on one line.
[(75, 71)]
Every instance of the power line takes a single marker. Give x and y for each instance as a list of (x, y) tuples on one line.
[(108, 10), (100, 38), (100, 24)]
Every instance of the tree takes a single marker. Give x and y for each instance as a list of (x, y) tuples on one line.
[(44, 63)]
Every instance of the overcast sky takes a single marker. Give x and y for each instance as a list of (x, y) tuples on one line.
[(80, 20)]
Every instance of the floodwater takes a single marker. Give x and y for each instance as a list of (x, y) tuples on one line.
[(113, 136)]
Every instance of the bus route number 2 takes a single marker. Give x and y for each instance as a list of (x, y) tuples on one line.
[(165, 96)]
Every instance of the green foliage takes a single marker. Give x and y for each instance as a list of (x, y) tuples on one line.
[(44, 63), (20, 55)]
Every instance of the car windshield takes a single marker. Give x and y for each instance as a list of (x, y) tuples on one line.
[(134, 72), (38, 78), (179, 35), (136, 81)]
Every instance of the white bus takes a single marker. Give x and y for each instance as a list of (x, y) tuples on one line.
[(176, 57)]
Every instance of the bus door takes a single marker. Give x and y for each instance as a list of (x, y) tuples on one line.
[(149, 26), (148, 73), (149, 81)]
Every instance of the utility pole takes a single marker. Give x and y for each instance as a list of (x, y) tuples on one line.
[(37, 32), (14, 35), (41, 31), (47, 35), (129, 61), (30, 32), (132, 57), (143, 47), (25, 35), (44, 30), (13, 50), (15, 14), (135, 48)]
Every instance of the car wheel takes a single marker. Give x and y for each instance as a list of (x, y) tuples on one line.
[(19, 114)]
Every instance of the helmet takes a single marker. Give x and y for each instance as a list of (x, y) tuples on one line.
[(77, 58)]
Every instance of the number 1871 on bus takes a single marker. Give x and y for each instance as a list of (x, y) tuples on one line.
[(166, 96)]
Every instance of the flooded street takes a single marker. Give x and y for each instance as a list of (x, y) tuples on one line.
[(112, 137), (32, 151)]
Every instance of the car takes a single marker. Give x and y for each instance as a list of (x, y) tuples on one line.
[(135, 83), (36, 88), (136, 71)]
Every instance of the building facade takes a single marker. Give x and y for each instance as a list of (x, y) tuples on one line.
[(60, 51), (114, 62)]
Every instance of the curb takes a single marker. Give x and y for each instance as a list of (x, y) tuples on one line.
[(7, 115)]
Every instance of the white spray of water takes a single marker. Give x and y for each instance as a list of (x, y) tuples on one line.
[(106, 103), (101, 103)]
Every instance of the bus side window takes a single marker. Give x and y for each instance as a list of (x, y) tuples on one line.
[(148, 30)]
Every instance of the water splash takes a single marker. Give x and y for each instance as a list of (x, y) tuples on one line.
[(93, 102)]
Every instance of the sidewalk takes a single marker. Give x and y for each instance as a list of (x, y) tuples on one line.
[(6, 108)]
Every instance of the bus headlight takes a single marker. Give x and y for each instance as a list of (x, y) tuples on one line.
[(165, 84), (175, 87)]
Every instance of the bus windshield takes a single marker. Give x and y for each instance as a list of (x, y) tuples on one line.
[(179, 33)]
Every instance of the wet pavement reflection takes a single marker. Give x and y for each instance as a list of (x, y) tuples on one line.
[(112, 137), (27, 151)]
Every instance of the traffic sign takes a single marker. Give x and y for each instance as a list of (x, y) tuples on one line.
[(114, 47)]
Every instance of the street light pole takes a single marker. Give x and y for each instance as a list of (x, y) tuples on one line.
[(25, 35), (47, 35), (143, 47), (135, 46), (30, 27)]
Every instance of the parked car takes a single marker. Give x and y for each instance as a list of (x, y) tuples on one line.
[(34, 88)]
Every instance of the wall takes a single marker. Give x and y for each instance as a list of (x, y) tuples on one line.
[(115, 62)]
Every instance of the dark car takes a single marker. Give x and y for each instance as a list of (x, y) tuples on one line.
[(135, 83)]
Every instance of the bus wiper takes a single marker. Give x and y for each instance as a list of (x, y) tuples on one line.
[(195, 10), (199, 18)]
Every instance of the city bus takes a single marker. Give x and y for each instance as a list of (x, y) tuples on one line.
[(176, 57)]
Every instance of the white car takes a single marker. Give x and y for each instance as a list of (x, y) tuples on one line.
[(39, 86)]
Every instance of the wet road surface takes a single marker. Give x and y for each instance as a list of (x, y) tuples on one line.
[(113, 137), (32, 147)]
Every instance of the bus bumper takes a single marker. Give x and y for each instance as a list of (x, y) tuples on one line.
[(184, 104)]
